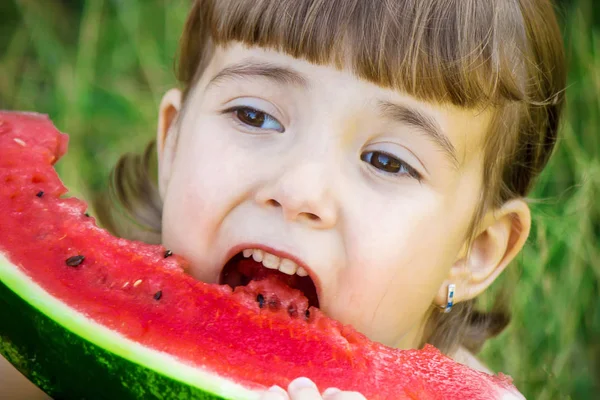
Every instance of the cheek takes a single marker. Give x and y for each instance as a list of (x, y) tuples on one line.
[(413, 234), (399, 256), (206, 182), (186, 222), (211, 165)]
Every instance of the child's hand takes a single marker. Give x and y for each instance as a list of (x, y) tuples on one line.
[(305, 389)]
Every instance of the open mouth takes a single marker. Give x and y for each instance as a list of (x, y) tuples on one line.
[(241, 271)]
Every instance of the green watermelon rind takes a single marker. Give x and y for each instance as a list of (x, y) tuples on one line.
[(98, 363)]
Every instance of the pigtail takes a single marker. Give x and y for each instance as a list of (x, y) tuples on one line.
[(466, 326), (131, 206)]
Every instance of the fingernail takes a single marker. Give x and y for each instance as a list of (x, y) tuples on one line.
[(277, 389), (331, 392), (281, 394), (301, 383)]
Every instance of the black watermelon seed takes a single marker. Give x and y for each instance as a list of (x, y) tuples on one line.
[(274, 304), (307, 314), (292, 311), (168, 253), (261, 300), (158, 295), (75, 260), (40, 193), (87, 215)]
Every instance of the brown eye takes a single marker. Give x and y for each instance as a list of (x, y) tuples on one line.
[(257, 119), (388, 163), (385, 163), (251, 117)]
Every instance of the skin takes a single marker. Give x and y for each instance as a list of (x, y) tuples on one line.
[(13, 385), (255, 161), (382, 246)]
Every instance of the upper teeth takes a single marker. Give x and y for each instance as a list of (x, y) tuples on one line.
[(271, 261)]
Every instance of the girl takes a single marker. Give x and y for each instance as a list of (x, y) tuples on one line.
[(381, 148)]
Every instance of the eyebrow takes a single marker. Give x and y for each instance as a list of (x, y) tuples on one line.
[(252, 69), (426, 124)]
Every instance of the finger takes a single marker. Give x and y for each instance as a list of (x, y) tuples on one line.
[(303, 389), (339, 395), (274, 393)]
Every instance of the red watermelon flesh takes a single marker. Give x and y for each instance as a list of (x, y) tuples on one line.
[(143, 293)]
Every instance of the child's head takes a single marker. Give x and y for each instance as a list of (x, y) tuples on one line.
[(387, 145)]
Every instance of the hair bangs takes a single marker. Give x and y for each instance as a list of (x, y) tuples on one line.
[(464, 52)]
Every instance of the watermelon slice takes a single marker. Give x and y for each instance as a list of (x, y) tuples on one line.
[(86, 315)]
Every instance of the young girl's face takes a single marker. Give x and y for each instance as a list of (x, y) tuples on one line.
[(370, 190)]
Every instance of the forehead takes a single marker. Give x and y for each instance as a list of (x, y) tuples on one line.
[(465, 128)]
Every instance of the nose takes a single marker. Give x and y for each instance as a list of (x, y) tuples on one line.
[(304, 194)]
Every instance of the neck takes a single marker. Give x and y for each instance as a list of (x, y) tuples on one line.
[(413, 339)]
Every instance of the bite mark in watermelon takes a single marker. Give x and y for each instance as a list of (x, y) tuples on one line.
[(86, 315)]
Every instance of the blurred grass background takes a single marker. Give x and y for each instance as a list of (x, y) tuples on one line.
[(99, 68)]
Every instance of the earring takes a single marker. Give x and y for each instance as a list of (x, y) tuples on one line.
[(450, 299)]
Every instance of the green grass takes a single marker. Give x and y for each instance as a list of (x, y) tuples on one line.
[(98, 68)]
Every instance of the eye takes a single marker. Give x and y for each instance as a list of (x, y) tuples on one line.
[(389, 164), (254, 118)]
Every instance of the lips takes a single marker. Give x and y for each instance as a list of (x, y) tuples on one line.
[(256, 262)]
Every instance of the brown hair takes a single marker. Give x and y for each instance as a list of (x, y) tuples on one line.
[(505, 54)]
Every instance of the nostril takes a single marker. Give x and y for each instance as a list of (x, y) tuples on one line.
[(273, 203), (311, 216)]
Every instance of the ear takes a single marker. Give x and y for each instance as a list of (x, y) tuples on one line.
[(500, 237), (169, 109)]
